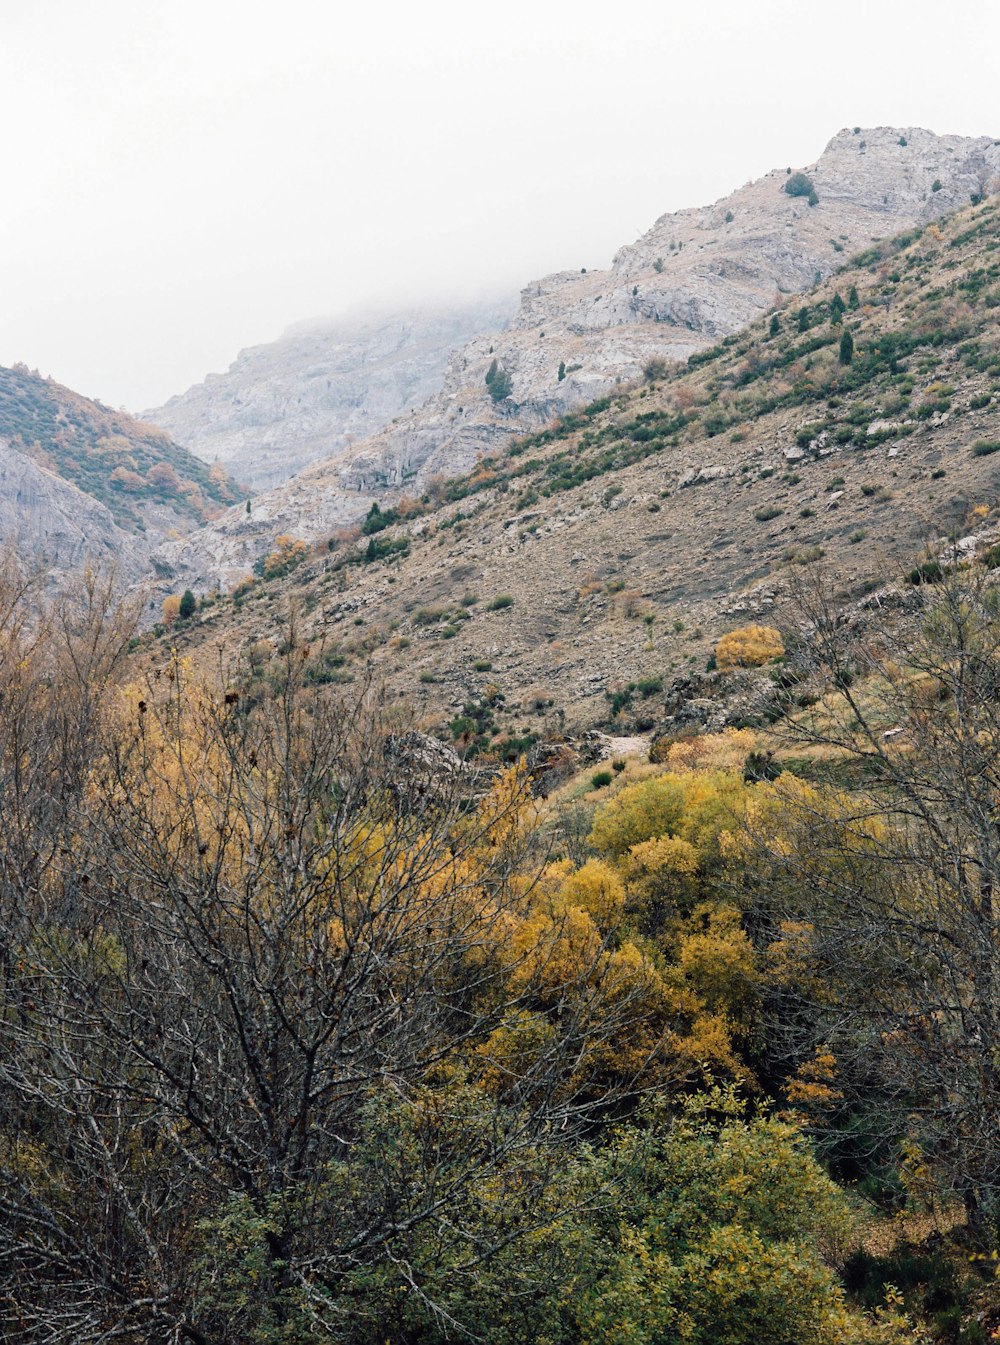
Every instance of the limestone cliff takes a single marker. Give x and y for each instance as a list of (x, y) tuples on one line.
[(51, 523), (320, 389)]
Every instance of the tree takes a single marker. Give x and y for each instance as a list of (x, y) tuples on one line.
[(288, 1044), (837, 309), (800, 184), (846, 352), (853, 301), (803, 319), (775, 325), (887, 900), (562, 370), (161, 476), (500, 384), (188, 605)]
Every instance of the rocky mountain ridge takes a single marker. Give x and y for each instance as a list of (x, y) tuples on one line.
[(320, 388), (694, 276), (568, 580)]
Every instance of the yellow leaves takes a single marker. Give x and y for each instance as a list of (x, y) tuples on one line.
[(725, 751), (171, 608), (663, 854), (597, 889), (749, 647), (720, 966), (810, 1092), (509, 1053)]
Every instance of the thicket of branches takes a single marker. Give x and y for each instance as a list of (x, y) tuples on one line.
[(298, 1043)]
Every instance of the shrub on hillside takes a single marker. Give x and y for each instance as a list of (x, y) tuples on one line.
[(800, 184), (749, 647)]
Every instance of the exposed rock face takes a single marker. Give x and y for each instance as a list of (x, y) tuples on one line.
[(696, 276), (319, 389), (51, 522)]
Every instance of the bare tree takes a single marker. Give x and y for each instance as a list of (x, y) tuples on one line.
[(890, 888), (270, 1036)]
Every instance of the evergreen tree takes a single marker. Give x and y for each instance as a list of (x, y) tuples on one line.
[(846, 347), (188, 605), (837, 309), (562, 370), (803, 319), (775, 326), (500, 384), (853, 301)]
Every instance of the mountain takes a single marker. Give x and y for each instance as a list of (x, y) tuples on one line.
[(578, 572), (79, 480), (319, 388), (696, 276)]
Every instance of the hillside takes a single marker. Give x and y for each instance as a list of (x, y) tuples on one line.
[(146, 482), (695, 277), (320, 388), (568, 579)]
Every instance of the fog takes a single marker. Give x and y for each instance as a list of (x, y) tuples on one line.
[(184, 179)]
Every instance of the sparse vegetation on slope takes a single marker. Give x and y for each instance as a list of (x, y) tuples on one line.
[(637, 530), (127, 465)]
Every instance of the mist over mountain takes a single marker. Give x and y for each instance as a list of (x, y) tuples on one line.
[(321, 387), (696, 276)]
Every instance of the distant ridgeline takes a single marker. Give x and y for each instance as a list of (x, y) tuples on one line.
[(128, 465)]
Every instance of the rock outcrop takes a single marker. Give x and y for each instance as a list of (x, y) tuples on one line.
[(320, 389), (695, 277), (51, 523)]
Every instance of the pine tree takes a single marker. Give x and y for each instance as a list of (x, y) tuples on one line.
[(189, 605), (803, 319), (846, 347), (837, 309), (775, 326), (500, 384), (853, 301)]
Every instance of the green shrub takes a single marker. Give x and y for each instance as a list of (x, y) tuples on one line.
[(799, 184), (927, 572), (982, 448), (499, 603), (767, 512), (601, 779)]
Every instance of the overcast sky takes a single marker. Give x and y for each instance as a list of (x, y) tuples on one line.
[(182, 178)]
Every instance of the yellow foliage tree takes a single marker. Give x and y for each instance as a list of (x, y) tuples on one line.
[(171, 608)]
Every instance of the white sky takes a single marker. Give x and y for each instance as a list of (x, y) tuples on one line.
[(181, 178)]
